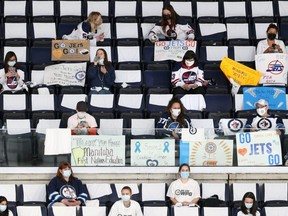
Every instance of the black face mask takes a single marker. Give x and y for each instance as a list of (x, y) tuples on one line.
[(271, 36), (166, 16)]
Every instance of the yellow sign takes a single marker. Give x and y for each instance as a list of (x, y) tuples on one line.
[(240, 73), (70, 50)]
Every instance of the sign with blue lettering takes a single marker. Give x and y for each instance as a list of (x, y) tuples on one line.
[(258, 149), (207, 152), (153, 152), (276, 97)]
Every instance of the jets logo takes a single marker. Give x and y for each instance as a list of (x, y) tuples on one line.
[(189, 77), (68, 192), (235, 125), (264, 124), (193, 131), (275, 67)]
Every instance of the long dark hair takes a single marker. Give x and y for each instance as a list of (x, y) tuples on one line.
[(189, 55), (180, 118), (8, 56), (174, 17), (182, 165), (6, 212), (63, 165), (254, 206), (107, 64)]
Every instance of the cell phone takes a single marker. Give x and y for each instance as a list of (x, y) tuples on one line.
[(71, 200), (274, 45), (96, 58)]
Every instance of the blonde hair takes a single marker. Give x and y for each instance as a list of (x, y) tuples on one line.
[(91, 17)]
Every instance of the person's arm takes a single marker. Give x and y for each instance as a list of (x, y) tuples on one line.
[(197, 194), (281, 47), (110, 77), (189, 31), (92, 71), (21, 77), (175, 80), (53, 192), (113, 210), (161, 125), (156, 30), (82, 195), (200, 77), (280, 126), (138, 210), (248, 126)]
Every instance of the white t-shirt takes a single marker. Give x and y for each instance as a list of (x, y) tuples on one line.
[(73, 121), (263, 45), (240, 213), (184, 192), (118, 209), (11, 83)]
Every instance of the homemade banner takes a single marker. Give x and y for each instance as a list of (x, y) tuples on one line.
[(70, 50), (98, 150), (241, 74), (273, 66), (207, 153), (65, 74), (172, 50), (153, 152), (258, 149), (275, 96)]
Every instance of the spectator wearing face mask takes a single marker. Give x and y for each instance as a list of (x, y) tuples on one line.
[(187, 78), (4, 211), (248, 206), (126, 206), (266, 121), (100, 74), (65, 189), (271, 44), (173, 120), (171, 26), (89, 29), (11, 77), (82, 122), (184, 191)]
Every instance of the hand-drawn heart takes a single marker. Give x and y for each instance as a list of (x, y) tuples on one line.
[(152, 163), (57, 53), (242, 151)]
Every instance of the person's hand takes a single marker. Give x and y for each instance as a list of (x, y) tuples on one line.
[(185, 203), (269, 50), (190, 39), (193, 86), (154, 38), (75, 203), (279, 49), (65, 202), (252, 129), (103, 69), (16, 75), (278, 132), (185, 86), (9, 74), (175, 135), (100, 37)]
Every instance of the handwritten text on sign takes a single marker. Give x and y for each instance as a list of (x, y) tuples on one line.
[(151, 152), (172, 50), (65, 74), (258, 148), (98, 150)]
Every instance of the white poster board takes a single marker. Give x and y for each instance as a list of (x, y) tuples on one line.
[(65, 74), (172, 50), (273, 67), (153, 152), (98, 150), (258, 149)]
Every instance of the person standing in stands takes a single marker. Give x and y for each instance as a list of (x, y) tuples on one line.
[(184, 191), (187, 78), (4, 211), (126, 206), (65, 189), (173, 120), (81, 122), (171, 26), (271, 44), (89, 29), (100, 74), (248, 206), (11, 77)]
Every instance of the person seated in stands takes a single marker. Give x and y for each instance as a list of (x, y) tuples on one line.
[(266, 121), (89, 29), (81, 122), (171, 26), (187, 78), (126, 206), (184, 191), (248, 206), (173, 120), (65, 189), (11, 77), (100, 74), (4, 211), (271, 44)]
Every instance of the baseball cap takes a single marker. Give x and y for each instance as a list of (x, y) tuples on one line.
[(262, 102)]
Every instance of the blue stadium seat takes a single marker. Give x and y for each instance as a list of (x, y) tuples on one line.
[(157, 79)]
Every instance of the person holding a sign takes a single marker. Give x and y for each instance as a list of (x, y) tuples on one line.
[(82, 123), (126, 206), (173, 120), (184, 191), (100, 74), (248, 205), (89, 29), (171, 26), (65, 189), (271, 44), (11, 77), (187, 78)]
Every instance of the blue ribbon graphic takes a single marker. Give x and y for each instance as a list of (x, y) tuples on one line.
[(166, 147), (137, 147)]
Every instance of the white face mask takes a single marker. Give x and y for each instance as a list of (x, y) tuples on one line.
[(176, 112), (3, 208), (67, 173), (81, 115), (101, 61), (261, 111), (189, 63), (125, 197), (248, 205), (11, 63)]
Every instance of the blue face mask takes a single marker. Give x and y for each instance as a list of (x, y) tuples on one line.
[(67, 173), (3, 208), (184, 175), (125, 197)]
